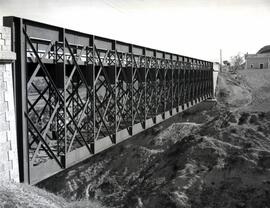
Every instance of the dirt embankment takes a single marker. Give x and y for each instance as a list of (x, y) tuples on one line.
[(212, 156), (116, 176), (258, 82), (222, 163), (232, 91), (248, 90), (24, 196)]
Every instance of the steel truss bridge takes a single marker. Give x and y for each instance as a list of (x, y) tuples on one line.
[(77, 94)]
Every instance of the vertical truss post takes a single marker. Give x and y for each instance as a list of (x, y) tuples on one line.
[(132, 87), (175, 82), (63, 154), (193, 81), (21, 101), (201, 80), (186, 81), (157, 94), (155, 86), (198, 80), (187, 70), (202, 73), (204, 79), (182, 83), (163, 99), (178, 82), (116, 91), (209, 84), (172, 83), (190, 81), (145, 86), (93, 101), (211, 81)]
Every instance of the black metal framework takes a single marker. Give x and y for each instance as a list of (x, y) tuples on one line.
[(78, 94)]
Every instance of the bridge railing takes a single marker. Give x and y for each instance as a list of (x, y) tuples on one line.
[(78, 94)]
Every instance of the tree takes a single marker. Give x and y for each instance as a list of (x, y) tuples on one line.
[(226, 63), (237, 62)]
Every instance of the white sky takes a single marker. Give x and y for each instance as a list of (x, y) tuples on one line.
[(196, 28)]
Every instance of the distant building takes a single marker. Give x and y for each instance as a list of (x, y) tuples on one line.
[(260, 60)]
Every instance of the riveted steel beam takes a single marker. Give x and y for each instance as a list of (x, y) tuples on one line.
[(78, 94)]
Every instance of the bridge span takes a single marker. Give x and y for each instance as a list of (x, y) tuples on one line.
[(77, 94)]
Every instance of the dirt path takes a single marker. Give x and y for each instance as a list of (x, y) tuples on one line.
[(248, 90), (258, 81), (233, 92)]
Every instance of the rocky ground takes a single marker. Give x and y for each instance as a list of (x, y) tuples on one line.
[(212, 156)]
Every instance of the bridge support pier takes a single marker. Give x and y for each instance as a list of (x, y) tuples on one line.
[(9, 169)]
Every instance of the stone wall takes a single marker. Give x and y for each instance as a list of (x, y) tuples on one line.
[(8, 142)]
